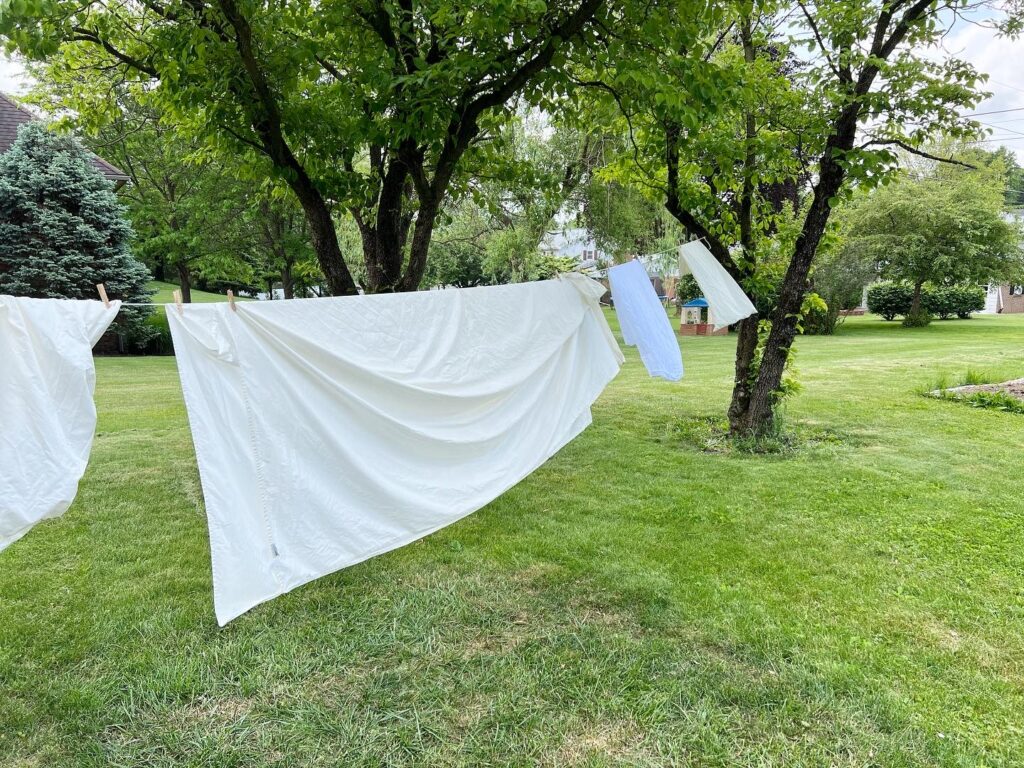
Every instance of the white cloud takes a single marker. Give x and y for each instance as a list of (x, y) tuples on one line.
[(12, 76), (1001, 59)]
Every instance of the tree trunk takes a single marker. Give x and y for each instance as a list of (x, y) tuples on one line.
[(185, 281), (265, 116), (746, 348), (420, 247), (746, 343), (915, 304), (384, 242), (764, 397), (324, 238), (287, 286)]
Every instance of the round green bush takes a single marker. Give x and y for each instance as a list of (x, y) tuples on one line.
[(890, 299), (969, 298), (917, 319)]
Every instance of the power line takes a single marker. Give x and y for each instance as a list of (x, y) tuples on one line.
[(1001, 128), (1005, 122), (995, 112), (1007, 85), (1009, 138)]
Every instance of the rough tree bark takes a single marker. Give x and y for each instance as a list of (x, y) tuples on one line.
[(185, 281), (747, 336), (265, 116), (915, 302), (430, 178)]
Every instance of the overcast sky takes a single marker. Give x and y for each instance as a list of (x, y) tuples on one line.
[(1000, 58)]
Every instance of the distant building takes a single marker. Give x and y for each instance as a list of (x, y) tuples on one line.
[(574, 243), (1008, 298), (13, 116), (1004, 299)]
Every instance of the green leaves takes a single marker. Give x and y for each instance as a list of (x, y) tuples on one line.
[(942, 226)]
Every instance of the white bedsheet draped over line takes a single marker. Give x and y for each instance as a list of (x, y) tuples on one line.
[(47, 415), (328, 431), (727, 301)]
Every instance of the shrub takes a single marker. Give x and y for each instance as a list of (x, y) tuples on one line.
[(944, 302), (819, 317), (940, 302), (160, 343), (917, 319), (821, 321), (954, 300), (890, 299), (969, 298)]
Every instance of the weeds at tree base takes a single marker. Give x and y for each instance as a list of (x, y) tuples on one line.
[(710, 434)]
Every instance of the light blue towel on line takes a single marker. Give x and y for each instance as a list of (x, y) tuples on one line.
[(643, 320)]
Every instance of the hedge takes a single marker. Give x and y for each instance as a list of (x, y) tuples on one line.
[(892, 299)]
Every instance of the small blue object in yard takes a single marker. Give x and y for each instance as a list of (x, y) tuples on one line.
[(700, 302)]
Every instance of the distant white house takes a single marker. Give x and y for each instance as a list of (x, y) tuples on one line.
[(574, 243), (1005, 298)]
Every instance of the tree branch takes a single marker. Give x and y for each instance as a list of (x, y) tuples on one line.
[(673, 205), (89, 36), (919, 152), (821, 43)]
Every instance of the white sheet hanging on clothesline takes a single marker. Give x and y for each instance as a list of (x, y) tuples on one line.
[(727, 301), (643, 320), (47, 415), (331, 430)]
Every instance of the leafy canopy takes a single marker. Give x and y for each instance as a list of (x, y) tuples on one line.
[(944, 226)]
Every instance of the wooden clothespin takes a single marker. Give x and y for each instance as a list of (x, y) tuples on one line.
[(178, 302), (103, 294), (231, 300)]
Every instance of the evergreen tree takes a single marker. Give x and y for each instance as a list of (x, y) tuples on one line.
[(63, 230)]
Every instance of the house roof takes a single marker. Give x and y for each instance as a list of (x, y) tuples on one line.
[(699, 302), (13, 116)]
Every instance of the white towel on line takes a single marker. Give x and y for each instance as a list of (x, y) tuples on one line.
[(47, 415), (643, 320), (328, 431), (727, 301)]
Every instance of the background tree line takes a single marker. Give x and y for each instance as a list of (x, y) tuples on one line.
[(401, 130)]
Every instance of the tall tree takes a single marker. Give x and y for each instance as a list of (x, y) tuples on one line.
[(63, 230), (185, 207), (282, 246), (367, 104), (534, 172), (753, 145), (945, 227)]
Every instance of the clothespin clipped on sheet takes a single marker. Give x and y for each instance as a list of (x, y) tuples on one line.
[(102, 289), (231, 300), (178, 302)]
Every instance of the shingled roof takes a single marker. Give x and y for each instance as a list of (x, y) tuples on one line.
[(13, 117)]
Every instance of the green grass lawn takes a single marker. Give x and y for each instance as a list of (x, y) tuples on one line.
[(165, 291), (639, 600)]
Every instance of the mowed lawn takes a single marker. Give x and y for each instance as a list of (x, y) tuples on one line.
[(640, 600)]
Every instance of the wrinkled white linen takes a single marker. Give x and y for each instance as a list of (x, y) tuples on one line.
[(328, 431), (643, 321), (726, 300), (47, 415)]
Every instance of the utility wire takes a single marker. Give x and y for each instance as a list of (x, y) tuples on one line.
[(995, 112)]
